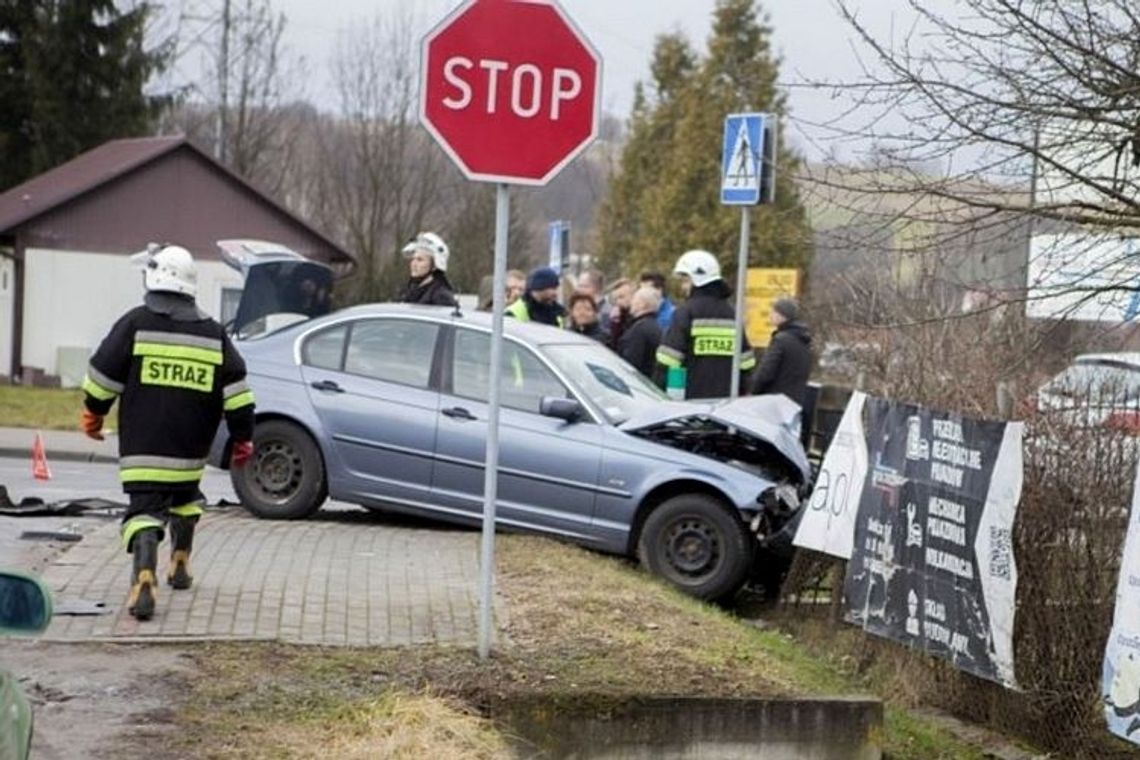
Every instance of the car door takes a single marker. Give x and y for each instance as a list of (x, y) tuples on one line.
[(371, 384), (548, 468)]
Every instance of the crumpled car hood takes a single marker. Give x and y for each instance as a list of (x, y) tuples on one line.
[(775, 419)]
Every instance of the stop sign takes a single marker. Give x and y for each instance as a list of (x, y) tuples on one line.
[(510, 89)]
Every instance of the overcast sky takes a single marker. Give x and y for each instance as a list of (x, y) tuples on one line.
[(809, 34)]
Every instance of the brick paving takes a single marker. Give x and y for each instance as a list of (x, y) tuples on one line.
[(346, 579)]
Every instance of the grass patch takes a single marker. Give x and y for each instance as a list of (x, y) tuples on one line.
[(40, 408), (580, 627)]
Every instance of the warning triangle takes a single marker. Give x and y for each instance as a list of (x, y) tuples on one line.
[(40, 469), (742, 169)]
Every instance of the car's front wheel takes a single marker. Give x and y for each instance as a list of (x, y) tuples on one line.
[(695, 542), (285, 480)]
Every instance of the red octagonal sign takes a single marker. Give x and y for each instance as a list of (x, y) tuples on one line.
[(510, 89)]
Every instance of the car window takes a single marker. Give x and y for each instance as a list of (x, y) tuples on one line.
[(325, 349), (525, 379), (1096, 383), (394, 350)]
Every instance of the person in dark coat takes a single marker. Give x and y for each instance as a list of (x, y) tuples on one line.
[(786, 363), (427, 263), (584, 317), (638, 344), (540, 301)]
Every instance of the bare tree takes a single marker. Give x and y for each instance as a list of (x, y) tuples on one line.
[(380, 181)]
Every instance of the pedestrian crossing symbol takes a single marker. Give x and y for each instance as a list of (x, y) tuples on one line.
[(743, 166)]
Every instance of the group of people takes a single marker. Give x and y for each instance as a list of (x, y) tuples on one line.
[(167, 361), (639, 321)]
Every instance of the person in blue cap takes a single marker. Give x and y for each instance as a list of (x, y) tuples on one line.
[(540, 301)]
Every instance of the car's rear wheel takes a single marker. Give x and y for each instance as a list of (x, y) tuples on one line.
[(285, 480), (694, 542)]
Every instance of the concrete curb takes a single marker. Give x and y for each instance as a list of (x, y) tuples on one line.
[(59, 456)]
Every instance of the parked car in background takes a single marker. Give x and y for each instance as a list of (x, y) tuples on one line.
[(386, 406), (1096, 390), (25, 607)]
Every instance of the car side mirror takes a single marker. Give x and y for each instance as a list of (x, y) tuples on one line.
[(560, 408), (25, 603)]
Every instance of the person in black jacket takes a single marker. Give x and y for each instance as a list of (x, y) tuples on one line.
[(584, 317), (427, 261), (638, 344), (786, 363), (702, 337), (176, 374)]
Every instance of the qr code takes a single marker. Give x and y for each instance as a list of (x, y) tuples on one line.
[(1001, 552)]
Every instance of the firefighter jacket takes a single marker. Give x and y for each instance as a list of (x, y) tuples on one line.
[(175, 379), (702, 339)]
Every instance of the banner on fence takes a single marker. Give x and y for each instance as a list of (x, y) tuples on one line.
[(932, 562), (1121, 681), (828, 523)]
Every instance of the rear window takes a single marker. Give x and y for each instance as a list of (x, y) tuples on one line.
[(1097, 383)]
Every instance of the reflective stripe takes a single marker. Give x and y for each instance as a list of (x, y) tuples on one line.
[(103, 381), (159, 475), (187, 510), (167, 463), (139, 523), (714, 332), (178, 352), (234, 389), (670, 357), (96, 390), (178, 339), (747, 361), (714, 323), (238, 401)]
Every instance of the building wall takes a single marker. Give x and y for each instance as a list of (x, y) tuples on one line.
[(71, 299), (7, 313)]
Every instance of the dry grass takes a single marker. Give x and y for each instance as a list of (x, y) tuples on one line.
[(40, 408), (582, 630)]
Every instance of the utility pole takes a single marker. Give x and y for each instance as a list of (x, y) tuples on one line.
[(223, 84)]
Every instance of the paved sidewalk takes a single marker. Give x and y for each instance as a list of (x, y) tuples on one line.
[(338, 579), (61, 445)]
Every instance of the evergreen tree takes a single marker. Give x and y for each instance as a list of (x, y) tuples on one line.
[(77, 69), (17, 19), (661, 206)]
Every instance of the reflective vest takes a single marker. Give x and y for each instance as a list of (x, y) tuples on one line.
[(520, 310)]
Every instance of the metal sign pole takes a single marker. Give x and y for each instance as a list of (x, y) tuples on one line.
[(741, 284), (491, 472)]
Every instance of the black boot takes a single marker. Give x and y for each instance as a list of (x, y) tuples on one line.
[(182, 540), (144, 586)]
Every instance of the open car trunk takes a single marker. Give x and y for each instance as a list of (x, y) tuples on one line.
[(760, 434), (282, 287)]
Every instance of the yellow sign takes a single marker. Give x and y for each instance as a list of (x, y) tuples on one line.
[(765, 286)]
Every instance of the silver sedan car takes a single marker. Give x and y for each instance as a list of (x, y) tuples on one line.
[(386, 406)]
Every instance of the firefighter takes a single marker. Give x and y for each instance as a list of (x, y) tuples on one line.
[(702, 336), (427, 257), (176, 374)]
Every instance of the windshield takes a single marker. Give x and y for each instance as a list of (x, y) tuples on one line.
[(615, 386), (1096, 383)]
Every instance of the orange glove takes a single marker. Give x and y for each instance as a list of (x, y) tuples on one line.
[(91, 424), (241, 454)]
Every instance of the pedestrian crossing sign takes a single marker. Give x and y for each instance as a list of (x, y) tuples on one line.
[(747, 160)]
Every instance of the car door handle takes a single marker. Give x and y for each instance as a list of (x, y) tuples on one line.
[(327, 385), (458, 413)]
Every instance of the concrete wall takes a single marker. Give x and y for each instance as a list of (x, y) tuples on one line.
[(71, 299)]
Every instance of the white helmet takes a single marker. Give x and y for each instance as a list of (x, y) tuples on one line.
[(170, 269), (699, 266), (430, 243)]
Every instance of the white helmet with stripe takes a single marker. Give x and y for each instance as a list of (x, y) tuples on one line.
[(433, 245), (168, 269), (699, 266)]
